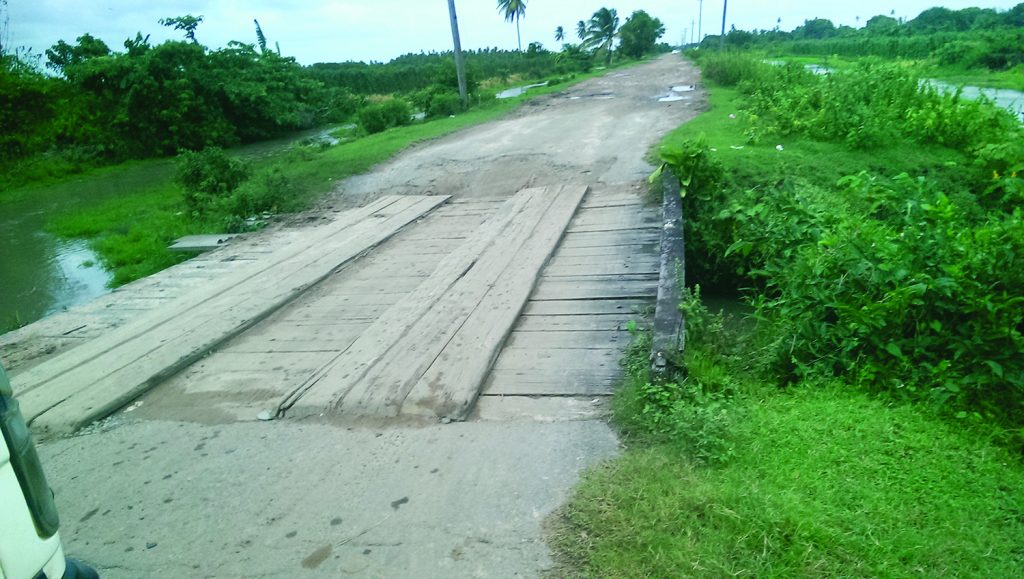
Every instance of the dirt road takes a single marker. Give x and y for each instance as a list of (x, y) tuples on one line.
[(142, 495)]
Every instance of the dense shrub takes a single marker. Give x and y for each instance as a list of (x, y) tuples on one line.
[(907, 286), (208, 177), (379, 117), (443, 105)]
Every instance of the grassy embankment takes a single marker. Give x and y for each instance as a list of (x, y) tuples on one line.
[(727, 473), (131, 231)]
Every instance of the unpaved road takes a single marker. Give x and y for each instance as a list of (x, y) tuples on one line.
[(158, 498)]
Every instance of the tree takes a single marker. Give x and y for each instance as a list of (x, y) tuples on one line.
[(882, 25), (581, 30), (602, 29), (639, 34), (62, 55), (187, 23), (559, 34), (817, 28), (514, 10)]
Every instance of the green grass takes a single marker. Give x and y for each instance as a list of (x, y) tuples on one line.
[(816, 162), (132, 228), (823, 482), (727, 474)]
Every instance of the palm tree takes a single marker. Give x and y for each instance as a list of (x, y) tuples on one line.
[(514, 10), (602, 29), (559, 34), (581, 30)]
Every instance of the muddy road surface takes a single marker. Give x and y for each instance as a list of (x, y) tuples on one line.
[(145, 496)]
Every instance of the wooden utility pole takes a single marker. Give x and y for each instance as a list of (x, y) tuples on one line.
[(460, 65), (700, 22), (725, 6)]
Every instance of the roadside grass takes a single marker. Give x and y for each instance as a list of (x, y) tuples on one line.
[(132, 229), (726, 473), (823, 482)]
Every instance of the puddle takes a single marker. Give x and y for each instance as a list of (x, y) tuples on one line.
[(684, 88), (519, 90), (671, 99), (818, 69)]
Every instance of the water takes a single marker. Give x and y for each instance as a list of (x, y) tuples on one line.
[(1011, 100), (514, 92), (41, 274)]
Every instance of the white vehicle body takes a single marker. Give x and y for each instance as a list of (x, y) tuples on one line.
[(28, 548), (22, 552)]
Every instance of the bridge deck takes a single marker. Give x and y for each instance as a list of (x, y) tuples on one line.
[(523, 303)]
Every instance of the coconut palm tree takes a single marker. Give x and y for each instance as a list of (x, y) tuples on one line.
[(513, 10), (602, 29), (581, 30), (559, 34)]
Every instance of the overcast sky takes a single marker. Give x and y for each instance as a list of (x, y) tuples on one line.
[(339, 30)]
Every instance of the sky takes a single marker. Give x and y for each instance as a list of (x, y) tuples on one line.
[(379, 30)]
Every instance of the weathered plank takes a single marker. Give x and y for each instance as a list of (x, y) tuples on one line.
[(466, 359), (106, 374), (541, 359), (574, 382), (554, 289), (570, 340), (575, 323), (578, 307), (603, 270), (668, 336), (325, 389)]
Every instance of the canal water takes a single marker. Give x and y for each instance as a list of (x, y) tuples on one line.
[(40, 273)]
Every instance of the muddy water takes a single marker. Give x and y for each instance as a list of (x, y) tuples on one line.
[(1011, 100), (39, 273)]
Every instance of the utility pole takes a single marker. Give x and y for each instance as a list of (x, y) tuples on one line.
[(691, 30), (700, 22), (725, 7), (460, 66)]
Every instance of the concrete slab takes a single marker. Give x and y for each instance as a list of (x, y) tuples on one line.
[(202, 242)]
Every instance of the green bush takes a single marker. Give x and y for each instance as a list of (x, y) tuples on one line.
[(376, 118), (444, 105), (208, 177), (729, 68)]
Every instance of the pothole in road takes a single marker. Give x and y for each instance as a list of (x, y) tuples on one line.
[(595, 96)]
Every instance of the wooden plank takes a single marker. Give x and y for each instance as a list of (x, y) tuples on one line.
[(529, 359), (323, 390), (609, 251), (127, 366), (575, 323), (554, 289), (383, 391), (629, 307), (570, 340), (452, 383), (603, 270), (552, 382), (632, 258), (668, 334), (606, 239)]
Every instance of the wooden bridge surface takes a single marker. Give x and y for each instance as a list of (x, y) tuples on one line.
[(418, 308)]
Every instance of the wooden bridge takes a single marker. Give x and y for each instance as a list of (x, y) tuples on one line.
[(410, 308)]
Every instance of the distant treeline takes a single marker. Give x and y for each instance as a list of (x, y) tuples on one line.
[(84, 103), (972, 37)]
